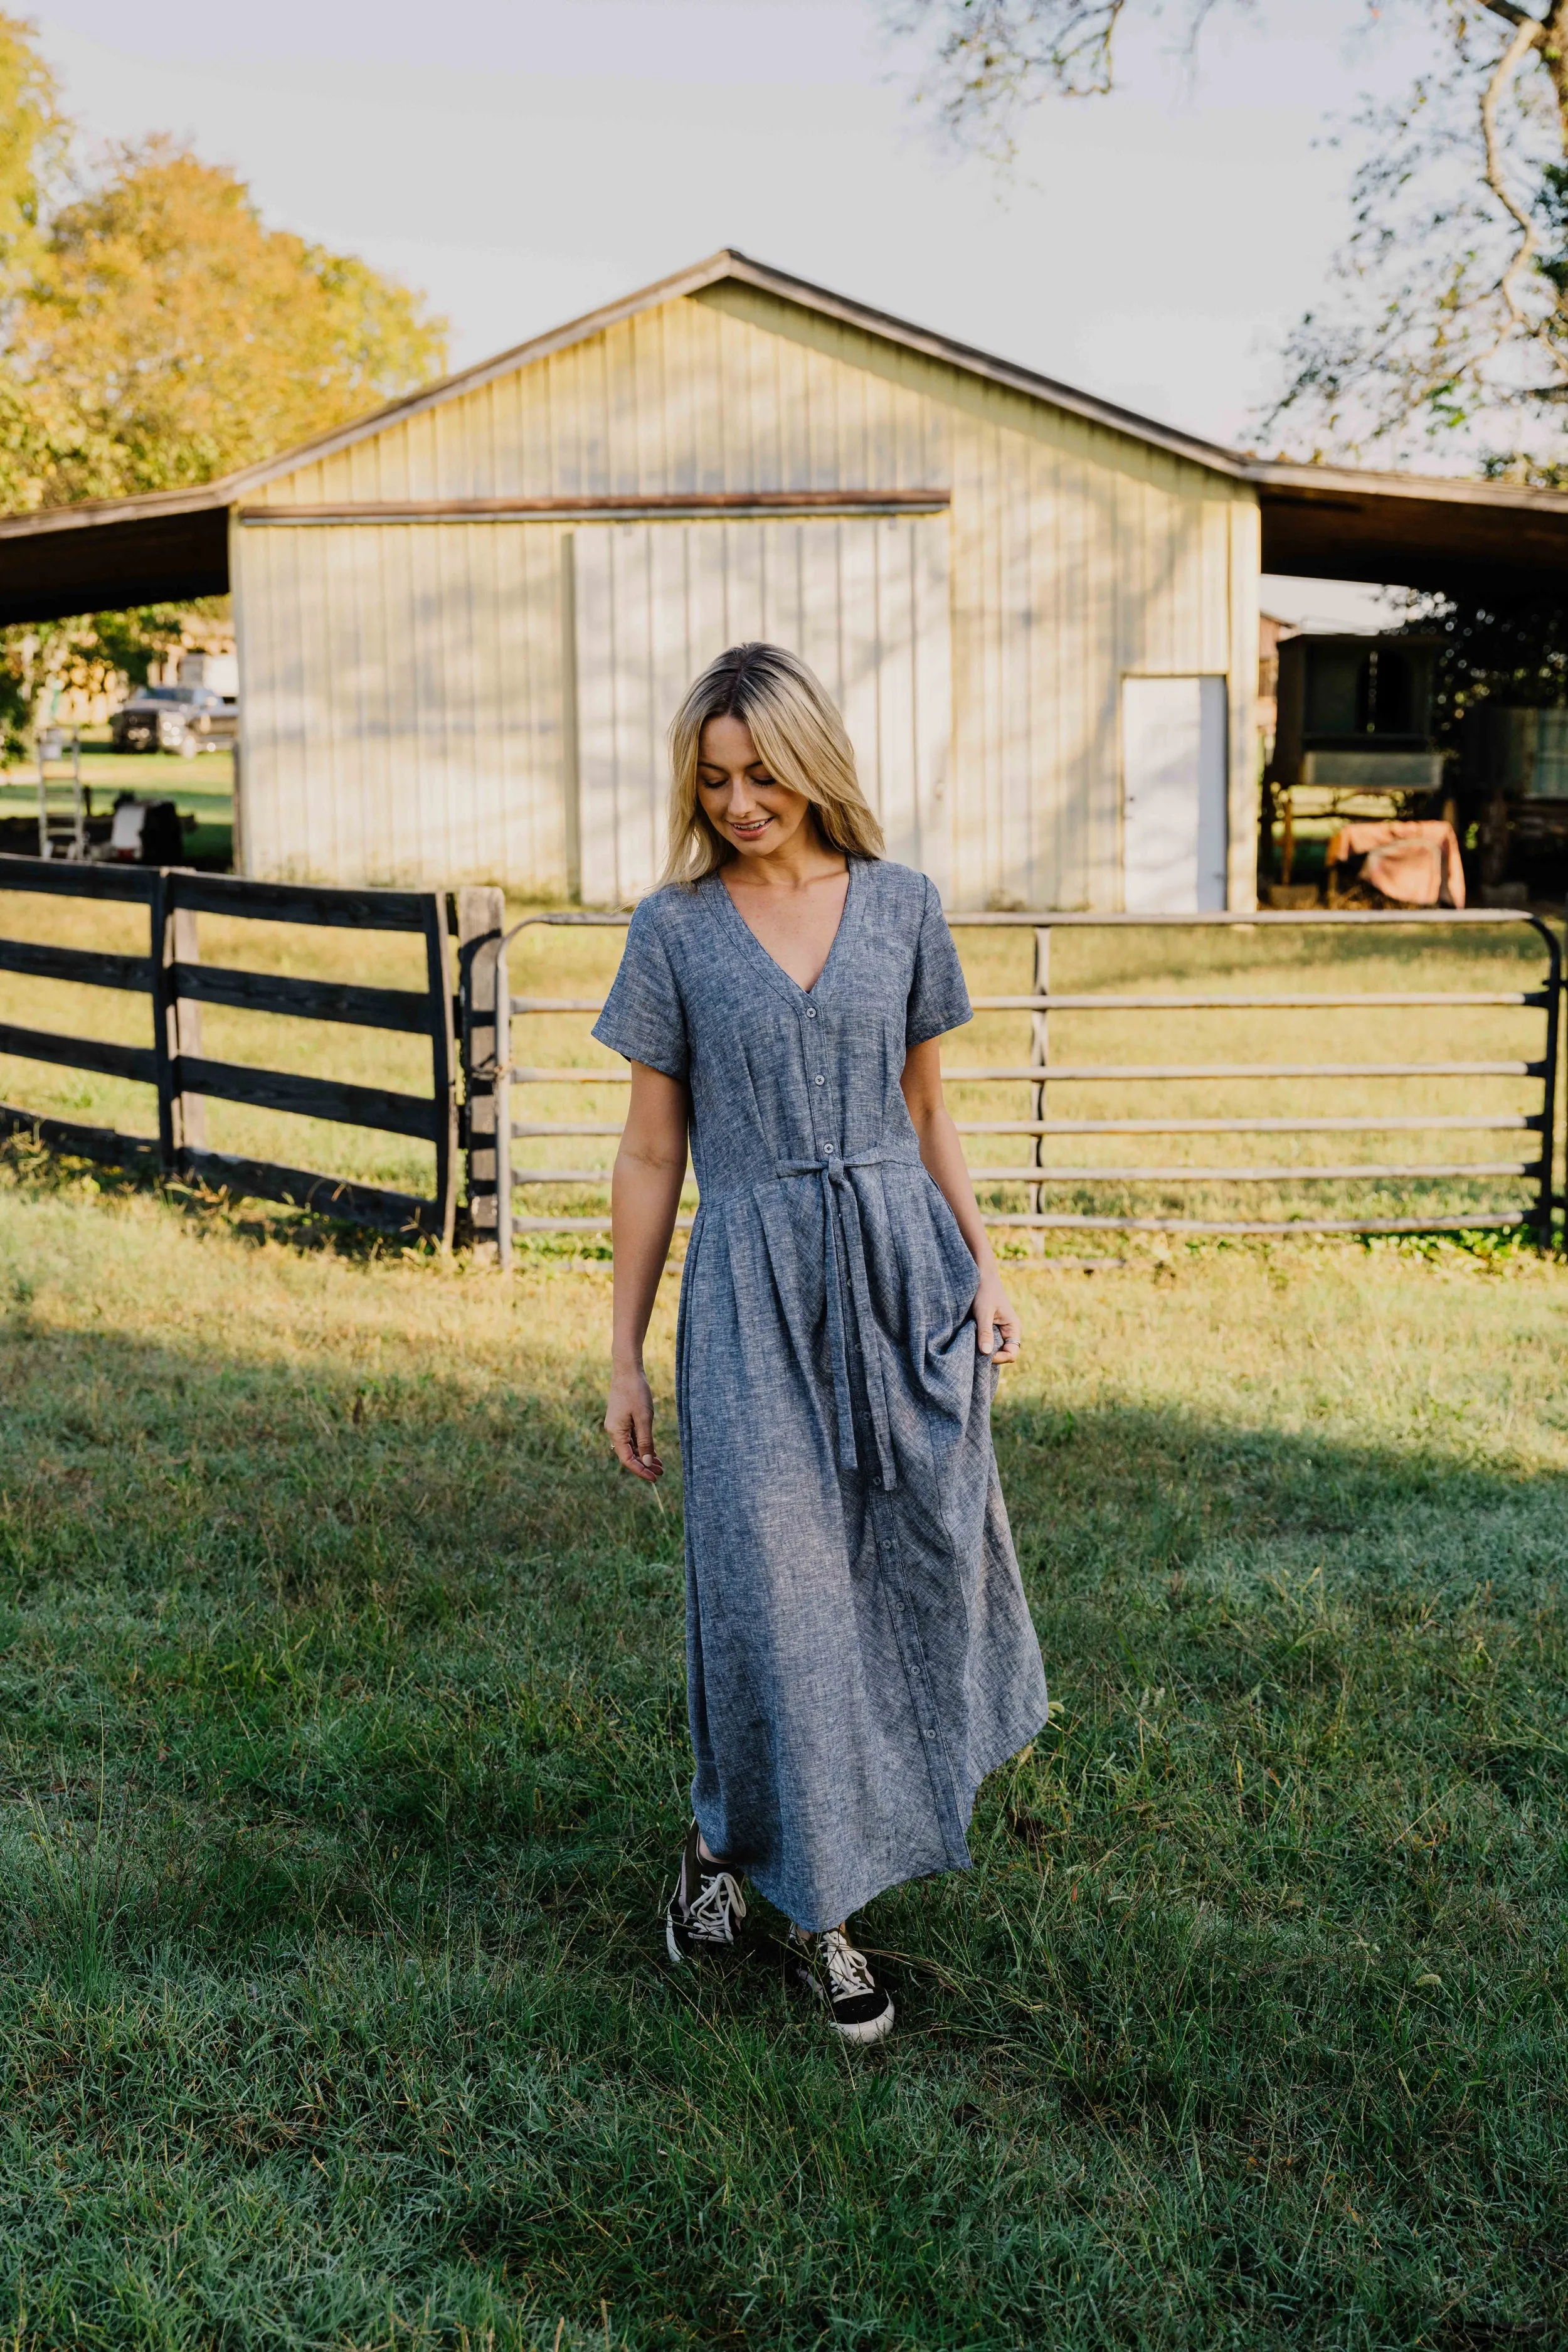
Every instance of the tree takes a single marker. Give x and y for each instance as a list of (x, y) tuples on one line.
[(155, 332), (991, 60), (1451, 325), (167, 335), (33, 139)]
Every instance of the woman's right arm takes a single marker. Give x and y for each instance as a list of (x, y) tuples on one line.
[(645, 1193)]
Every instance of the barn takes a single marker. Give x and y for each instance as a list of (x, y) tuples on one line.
[(464, 621)]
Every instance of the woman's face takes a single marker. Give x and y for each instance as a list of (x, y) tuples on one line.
[(742, 802)]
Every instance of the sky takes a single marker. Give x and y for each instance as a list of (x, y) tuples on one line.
[(522, 164)]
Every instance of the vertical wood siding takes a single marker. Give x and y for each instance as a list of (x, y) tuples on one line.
[(864, 602), (1078, 556), (403, 703)]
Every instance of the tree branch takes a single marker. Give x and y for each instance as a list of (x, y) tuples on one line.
[(1527, 36), (1512, 16)]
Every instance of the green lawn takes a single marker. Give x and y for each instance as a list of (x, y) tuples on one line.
[(344, 1759), (202, 788)]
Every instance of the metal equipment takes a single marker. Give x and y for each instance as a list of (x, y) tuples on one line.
[(1353, 737)]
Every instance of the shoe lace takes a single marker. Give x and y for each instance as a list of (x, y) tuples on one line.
[(717, 1906), (847, 1971)]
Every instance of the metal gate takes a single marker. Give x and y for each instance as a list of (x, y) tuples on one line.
[(1531, 1165)]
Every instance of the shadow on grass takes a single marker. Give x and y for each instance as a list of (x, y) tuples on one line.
[(419, 1611), (346, 1753), (48, 1174)]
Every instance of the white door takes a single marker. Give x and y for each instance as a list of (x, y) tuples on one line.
[(1173, 778), (863, 599)]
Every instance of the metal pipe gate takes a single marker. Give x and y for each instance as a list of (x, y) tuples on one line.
[(1039, 1072)]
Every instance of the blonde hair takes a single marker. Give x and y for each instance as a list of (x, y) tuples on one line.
[(799, 735)]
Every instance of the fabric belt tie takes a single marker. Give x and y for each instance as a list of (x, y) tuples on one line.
[(834, 1174)]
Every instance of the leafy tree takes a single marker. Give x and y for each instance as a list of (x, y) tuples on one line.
[(167, 335), (1451, 321), (988, 61), (154, 334), (95, 654), (33, 137)]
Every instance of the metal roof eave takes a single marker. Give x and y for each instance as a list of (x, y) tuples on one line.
[(1329, 482), (730, 264), (1421, 531), (147, 506)]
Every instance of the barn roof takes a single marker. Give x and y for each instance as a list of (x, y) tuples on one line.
[(1323, 521)]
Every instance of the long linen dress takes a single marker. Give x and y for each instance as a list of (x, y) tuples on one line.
[(860, 1653)]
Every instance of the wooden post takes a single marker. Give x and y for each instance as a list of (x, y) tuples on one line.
[(190, 1110), (1287, 837), (176, 1024), (79, 804), (165, 1045), (443, 1073), (481, 921)]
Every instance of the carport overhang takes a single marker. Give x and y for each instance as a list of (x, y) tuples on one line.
[(1322, 522), (1318, 522), (110, 554)]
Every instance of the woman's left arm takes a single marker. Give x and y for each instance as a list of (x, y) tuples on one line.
[(942, 1155)]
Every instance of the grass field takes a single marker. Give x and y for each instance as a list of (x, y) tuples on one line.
[(202, 788), (344, 1757)]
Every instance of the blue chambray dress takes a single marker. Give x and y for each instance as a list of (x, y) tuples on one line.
[(860, 1653)]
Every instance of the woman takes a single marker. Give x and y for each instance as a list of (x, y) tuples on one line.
[(860, 1653)]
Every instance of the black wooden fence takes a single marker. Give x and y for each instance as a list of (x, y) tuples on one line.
[(183, 1078)]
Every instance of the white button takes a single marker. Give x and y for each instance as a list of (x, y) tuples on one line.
[(821, 1079), (810, 1012)]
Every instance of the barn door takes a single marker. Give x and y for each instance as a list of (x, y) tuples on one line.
[(862, 599), (1173, 795)]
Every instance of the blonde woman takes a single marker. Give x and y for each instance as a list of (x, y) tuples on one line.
[(860, 1653)]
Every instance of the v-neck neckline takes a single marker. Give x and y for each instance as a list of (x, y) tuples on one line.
[(771, 963)]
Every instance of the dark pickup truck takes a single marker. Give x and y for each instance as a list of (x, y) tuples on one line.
[(182, 718)]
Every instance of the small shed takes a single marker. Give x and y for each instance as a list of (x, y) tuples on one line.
[(464, 621)]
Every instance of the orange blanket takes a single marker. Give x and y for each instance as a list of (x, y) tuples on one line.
[(1417, 863)]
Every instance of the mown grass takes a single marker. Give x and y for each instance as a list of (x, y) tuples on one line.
[(344, 1756)]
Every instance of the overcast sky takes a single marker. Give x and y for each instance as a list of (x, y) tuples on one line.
[(524, 162)]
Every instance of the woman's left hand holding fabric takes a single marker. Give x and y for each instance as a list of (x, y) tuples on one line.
[(997, 1332)]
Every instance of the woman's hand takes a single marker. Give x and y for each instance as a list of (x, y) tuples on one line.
[(993, 1312), (644, 1194), (942, 1155), (629, 1423)]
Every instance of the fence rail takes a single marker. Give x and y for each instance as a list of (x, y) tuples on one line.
[(1039, 1074), (183, 1078)]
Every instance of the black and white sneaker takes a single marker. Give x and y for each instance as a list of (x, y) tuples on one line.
[(830, 1966), (706, 1909)]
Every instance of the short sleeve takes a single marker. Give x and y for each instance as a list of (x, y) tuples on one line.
[(938, 1000), (644, 1017)]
